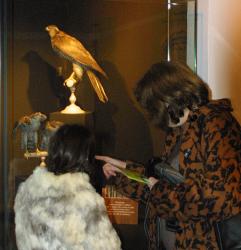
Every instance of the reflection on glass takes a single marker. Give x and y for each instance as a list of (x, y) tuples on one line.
[(124, 36), (181, 31)]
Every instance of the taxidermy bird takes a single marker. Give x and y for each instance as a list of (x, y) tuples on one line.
[(29, 127), (72, 49), (50, 128)]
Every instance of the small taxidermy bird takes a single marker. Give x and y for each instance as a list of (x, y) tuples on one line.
[(29, 127), (72, 49)]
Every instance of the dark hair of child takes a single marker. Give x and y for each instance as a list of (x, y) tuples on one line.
[(71, 150)]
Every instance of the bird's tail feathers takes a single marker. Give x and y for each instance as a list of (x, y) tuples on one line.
[(97, 86), (102, 72)]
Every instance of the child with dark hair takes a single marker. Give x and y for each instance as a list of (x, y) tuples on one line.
[(71, 150), (57, 207)]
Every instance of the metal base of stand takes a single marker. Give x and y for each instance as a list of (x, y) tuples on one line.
[(73, 109)]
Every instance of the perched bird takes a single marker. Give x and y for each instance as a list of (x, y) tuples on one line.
[(50, 128), (29, 127), (72, 49)]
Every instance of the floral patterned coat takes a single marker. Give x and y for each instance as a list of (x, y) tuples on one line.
[(210, 160)]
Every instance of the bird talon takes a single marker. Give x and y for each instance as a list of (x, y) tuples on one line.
[(70, 82)]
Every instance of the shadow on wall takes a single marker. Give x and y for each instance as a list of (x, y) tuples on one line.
[(44, 85), (121, 129)]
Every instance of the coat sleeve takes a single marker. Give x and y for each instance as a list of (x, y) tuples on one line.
[(214, 190), (130, 188)]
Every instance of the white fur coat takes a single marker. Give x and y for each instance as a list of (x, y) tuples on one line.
[(62, 213)]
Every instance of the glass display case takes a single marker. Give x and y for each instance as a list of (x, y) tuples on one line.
[(125, 37)]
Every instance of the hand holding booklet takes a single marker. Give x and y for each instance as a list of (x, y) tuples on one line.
[(162, 171), (134, 176)]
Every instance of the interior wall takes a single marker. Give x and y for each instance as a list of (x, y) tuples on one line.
[(130, 37), (219, 43)]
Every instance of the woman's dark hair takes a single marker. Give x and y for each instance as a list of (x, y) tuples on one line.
[(167, 89), (71, 149)]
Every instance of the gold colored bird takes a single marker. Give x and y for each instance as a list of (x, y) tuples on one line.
[(72, 49)]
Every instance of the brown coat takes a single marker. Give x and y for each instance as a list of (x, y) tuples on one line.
[(210, 161)]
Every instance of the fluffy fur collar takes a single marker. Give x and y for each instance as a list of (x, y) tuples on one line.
[(42, 182), (62, 212)]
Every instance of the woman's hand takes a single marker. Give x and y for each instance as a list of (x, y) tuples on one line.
[(111, 165)]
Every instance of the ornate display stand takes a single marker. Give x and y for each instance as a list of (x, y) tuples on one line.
[(71, 83), (85, 119), (72, 108), (38, 154)]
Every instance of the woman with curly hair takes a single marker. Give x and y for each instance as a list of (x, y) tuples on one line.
[(202, 144)]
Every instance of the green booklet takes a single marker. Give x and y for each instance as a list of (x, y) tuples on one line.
[(134, 176)]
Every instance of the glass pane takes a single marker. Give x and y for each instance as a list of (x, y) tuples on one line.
[(182, 33), (125, 37)]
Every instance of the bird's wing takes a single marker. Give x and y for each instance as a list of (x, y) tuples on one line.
[(53, 125), (23, 124), (97, 86), (73, 50)]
